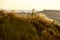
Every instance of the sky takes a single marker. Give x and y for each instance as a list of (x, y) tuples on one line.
[(30, 4)]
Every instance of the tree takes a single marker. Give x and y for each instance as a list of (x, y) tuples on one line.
[(33, 11)]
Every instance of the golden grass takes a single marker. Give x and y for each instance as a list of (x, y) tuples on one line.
[(14, 26)]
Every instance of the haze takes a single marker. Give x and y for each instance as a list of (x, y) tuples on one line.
[(30, 4)]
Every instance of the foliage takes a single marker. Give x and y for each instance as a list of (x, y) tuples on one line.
[(14, 26)]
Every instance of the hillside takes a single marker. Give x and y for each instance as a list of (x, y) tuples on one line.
[(14, 26), (53, 14)]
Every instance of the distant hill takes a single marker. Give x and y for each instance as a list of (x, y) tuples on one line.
[(54, 14)]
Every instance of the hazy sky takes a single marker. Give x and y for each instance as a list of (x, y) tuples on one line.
[(30, 4)]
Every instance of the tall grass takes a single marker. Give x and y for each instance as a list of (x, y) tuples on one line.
[(14, 26)]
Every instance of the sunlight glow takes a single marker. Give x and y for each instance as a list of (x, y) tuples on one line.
[(30, 4)]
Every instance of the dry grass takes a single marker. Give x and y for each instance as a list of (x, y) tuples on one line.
[(14, 26)]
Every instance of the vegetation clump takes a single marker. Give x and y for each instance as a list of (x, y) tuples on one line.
[(14, 26)]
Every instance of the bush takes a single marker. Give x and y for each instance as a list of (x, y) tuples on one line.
[(14, 26)]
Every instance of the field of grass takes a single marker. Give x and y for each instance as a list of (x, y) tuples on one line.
[(14, 26)]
